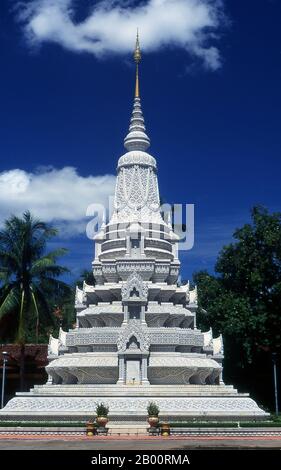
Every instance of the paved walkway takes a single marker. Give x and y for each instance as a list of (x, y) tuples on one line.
[(52, 442)]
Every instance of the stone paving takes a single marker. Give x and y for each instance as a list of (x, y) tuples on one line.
[(25, 442)]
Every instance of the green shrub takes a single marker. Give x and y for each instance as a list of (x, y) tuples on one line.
[(260, 424), (152, 409), (39, 424), (102, 410), (204, 424), (276, 419)]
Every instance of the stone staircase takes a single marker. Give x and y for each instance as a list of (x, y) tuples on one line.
[(133, 391)]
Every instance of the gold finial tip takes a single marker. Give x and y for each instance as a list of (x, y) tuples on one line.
[(137, 53)]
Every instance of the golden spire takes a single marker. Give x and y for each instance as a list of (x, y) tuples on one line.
[(137, 57), (136, 139)]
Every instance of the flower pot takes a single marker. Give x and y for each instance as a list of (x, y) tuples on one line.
[(90, 428), (165, 429), (153, 421), (102, 421)]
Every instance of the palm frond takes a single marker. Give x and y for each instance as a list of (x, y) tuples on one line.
[(45, 307), (49, 258), (54, 289), (10, 302), (51, 270), (9, 261), (4, 275), (56, 283), (57, 253)]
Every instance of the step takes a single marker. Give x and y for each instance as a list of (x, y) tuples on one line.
[(110, 394), (134, 390), (139, 387), (127, 428)]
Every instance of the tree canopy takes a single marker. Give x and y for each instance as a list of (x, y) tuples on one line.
[(242, 300), (29, 275)]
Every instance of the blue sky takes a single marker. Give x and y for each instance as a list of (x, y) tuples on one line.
[(214, 120)]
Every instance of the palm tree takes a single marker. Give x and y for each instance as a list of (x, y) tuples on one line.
[(86, 276), (28, 275)]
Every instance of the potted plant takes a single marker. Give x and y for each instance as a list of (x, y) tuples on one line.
[(90, 427), (153, 412), (165, 429), (102, 413)]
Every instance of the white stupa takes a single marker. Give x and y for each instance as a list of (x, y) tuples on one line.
[(135, 339)]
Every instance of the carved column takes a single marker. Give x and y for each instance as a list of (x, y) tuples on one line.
[(143, 321), (125, 320), (97, 250), (144, 379), (128, 245), (194, 325), (175, 251), (142, 244), (121, 379)]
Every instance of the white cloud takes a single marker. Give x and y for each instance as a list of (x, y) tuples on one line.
[(110, 26), (55, 195)]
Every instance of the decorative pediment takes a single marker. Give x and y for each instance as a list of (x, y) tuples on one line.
[(133, 334), (218, 345), (79, 296), (134, 288), (208, 338), (53, 346)]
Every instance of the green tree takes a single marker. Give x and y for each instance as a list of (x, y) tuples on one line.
[(86, 276), (242, 300), (251, 267), (28, 276)]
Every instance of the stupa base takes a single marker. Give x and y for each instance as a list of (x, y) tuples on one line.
[(128, 404)]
